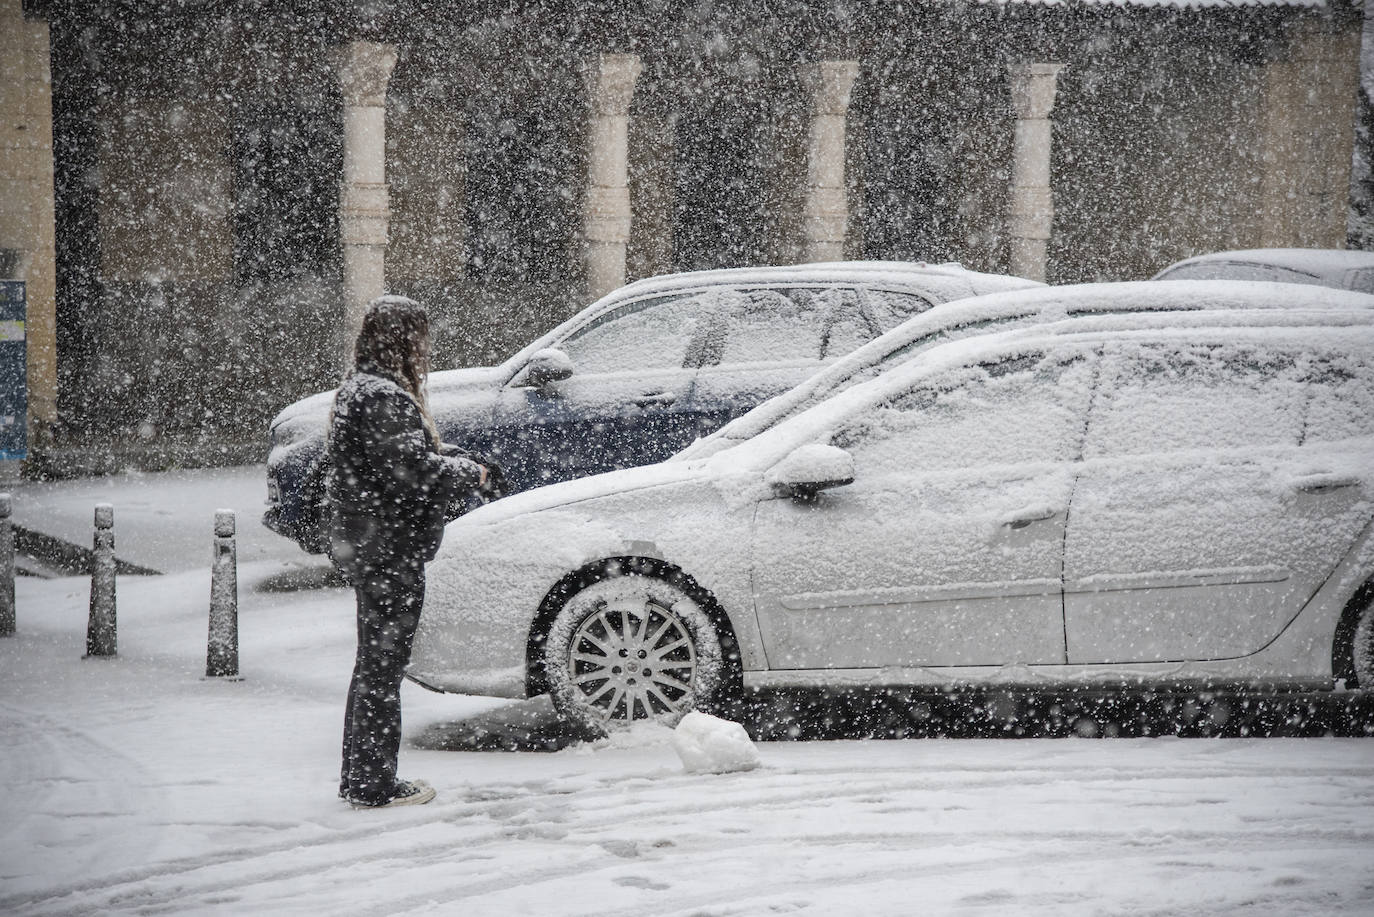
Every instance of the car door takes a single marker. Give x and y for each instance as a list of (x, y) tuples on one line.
[(946, 550), (1206, 513), (761, 342), (622, 406)]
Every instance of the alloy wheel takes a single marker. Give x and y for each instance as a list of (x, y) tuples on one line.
[(636, 662)]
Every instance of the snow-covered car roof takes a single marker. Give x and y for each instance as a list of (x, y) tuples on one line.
[(810, 272), (1332, 267), (1045, 304), (1344, 327)]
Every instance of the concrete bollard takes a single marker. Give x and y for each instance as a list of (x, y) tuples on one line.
[(101, 639), (6, 568), (222, 653)]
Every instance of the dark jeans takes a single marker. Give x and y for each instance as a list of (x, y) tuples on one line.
[(389, 603)]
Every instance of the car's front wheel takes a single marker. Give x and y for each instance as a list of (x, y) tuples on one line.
[(1362, 647), (632, 647)]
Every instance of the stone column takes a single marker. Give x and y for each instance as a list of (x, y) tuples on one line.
[(1308, 130), (364, 69), (1033, 87), (27, 241), (826, 209), (606, 214)]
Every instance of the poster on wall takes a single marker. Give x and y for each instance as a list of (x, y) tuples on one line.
[(14, 391)]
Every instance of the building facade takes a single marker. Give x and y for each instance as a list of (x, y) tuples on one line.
[(233, 181)]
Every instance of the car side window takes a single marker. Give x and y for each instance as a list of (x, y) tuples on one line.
[(1024, 410), (849, 323), (857, 316), (1340, 398), (767, 326), (646, 334), (1361, 279), (1158, 398), (889, 308), (800, 324)]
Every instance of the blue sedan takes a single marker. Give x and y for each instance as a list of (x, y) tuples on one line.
[(639, 374)]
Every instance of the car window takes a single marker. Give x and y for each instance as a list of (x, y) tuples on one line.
[(889, 308), (1361, 279), (1029, 409), (646, 334), (857, 316), (1165, 398), (1340, 399), (1237, 270), (867, 371), (768, 326), (800, 324), (849, 323)]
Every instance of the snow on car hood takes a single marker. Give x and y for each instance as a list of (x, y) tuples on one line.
[(309, 416), (578, 491), (496, 564), (451, 385)]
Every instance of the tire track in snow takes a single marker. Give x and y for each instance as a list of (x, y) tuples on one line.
[(86, 784), (723, 859), (571, 822)]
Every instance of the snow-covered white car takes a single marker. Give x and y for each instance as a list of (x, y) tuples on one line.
[(1339, 268), (1174, 498), (1003, 311), (640, 373)]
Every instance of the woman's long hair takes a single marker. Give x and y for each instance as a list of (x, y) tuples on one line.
[(394, 338)]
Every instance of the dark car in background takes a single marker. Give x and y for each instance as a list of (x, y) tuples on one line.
[(1324, 267), (641, 373)]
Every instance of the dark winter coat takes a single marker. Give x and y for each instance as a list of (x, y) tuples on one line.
[(388, 486)]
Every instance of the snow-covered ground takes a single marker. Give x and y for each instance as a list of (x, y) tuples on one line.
[(133, 785), (163, 520)]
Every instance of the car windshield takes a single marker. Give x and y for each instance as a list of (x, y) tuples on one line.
[(901, 346)]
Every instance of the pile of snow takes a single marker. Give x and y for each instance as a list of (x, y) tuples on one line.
[(709, 745)]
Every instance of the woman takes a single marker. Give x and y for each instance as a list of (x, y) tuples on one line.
[(387, 491)]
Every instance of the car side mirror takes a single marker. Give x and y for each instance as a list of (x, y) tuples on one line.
[(808, 470), (546, 367)]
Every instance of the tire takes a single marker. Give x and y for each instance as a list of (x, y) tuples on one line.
[(632, 647), (1362, 647)]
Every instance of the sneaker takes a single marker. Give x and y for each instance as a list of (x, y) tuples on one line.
[(406, 793)]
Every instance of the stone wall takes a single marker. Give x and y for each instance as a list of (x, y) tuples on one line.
[(1157, 153), (204, 211)]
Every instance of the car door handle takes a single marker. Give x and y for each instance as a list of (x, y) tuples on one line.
[(657, 399), (1025, 517), (1324, 483)]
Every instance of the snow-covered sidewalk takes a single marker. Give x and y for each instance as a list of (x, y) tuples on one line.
[(163, 520), (133, 785)]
